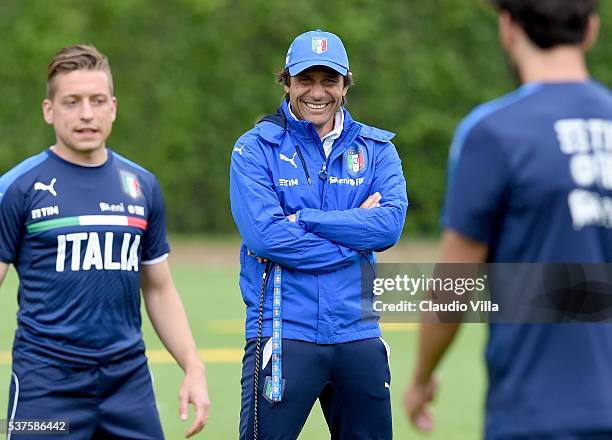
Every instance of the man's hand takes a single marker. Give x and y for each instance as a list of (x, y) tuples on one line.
[(3, 271), (372, 202), (416, 403), (195, 391), (259, 259), (169, 320), (292, 218)]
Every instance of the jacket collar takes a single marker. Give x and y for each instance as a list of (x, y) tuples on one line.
[(305, 129)]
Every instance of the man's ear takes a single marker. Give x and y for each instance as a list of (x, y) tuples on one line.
[(350, 74), (592, 32), (507, 35), (114, 103), (47, 108)]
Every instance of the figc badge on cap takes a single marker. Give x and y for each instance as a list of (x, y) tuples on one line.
[(317, 48)]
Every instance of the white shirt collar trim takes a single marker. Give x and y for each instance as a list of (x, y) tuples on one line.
[(338, 126)]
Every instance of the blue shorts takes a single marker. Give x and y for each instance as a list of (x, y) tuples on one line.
[(110, 401), (351, 381)]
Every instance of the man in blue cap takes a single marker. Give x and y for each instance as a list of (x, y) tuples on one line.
[(314, 195)]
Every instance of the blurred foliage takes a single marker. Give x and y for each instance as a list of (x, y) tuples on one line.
[(192, 75)]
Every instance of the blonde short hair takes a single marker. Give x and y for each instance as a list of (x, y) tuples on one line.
[(76, 57)]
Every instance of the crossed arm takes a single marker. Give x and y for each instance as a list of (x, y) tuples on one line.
[(373, 201), (169, 319), (313, 240), (367, 229), (264, 226)]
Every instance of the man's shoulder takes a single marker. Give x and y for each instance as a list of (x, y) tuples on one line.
[(21, 171), (366, 131), (133, 166), (492, 112), (600, 87), (375, 134), (264, 132)]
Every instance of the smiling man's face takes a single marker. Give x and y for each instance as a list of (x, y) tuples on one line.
[(315, 95)]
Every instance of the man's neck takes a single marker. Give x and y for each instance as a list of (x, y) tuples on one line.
[(323, 131), (93, 158), (561, 64)]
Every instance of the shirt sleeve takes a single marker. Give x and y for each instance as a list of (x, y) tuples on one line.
[(478, 174), (11, 222), (155, 245)]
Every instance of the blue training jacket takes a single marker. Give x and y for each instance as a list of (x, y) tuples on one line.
[(279, 168)]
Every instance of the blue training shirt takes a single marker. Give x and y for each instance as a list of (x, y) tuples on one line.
[(77, 236), (530, 175)]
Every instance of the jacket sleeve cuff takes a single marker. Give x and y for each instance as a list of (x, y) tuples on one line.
[(301, 218)]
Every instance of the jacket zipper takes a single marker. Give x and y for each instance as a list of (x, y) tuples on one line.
[(323, 174), (299, 152)]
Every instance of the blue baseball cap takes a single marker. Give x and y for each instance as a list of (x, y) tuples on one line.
[(317, 48)]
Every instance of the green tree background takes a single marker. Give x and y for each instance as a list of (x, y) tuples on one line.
[(193, 75)]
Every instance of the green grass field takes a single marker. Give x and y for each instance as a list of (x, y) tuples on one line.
[(209, 289)]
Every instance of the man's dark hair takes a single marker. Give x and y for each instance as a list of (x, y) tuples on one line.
[(549, 23)]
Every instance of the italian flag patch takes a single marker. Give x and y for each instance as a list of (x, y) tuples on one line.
[(130, 184)]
